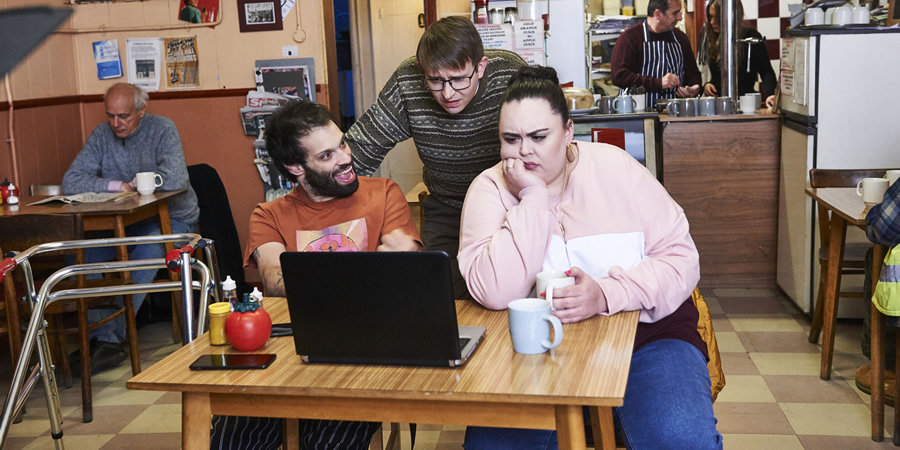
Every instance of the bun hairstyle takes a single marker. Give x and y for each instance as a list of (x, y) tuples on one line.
[(537, 82)]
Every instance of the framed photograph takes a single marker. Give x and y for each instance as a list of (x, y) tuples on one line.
[(259, 15), (893, 17)]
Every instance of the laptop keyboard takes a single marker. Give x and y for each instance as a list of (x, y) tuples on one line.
[(463, 341)]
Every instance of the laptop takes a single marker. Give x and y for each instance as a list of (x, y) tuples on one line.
[(386, 308)]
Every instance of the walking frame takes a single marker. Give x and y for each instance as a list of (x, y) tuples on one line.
[(178, 260)]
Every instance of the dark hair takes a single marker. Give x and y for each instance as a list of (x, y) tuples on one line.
[(288, 124), (448, 44), (661, 5), (539, 83), (713, 50)]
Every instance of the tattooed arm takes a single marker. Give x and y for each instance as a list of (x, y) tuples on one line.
[(267, 259)]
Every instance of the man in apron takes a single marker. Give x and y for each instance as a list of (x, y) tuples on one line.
[(656, 55)]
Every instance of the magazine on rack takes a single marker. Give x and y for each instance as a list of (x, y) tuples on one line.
[(86, 197)]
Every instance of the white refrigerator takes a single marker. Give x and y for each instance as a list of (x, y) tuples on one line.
[(840, 98), (565, 45)]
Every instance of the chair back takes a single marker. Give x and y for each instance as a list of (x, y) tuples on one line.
[(41, 190), (217, 222)]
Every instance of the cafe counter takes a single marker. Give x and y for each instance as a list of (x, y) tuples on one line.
[(724, 172)]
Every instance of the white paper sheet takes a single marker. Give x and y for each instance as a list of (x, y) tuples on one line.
[(144, 61)]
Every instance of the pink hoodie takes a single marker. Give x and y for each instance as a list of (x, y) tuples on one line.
[(621, 226)]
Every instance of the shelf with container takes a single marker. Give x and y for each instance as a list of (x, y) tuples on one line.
[(600, 38)]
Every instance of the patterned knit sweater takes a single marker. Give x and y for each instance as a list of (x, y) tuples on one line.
[(454, 148)]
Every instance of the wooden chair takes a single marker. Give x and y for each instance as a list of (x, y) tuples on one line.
[(45, 190), (854, 253), (20, 232)]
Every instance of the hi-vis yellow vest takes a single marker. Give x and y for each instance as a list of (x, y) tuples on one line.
[(887, 292)]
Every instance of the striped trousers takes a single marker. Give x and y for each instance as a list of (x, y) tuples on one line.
[(263, 433)]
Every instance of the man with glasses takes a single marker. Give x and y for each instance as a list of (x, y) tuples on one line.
[(447, 99)]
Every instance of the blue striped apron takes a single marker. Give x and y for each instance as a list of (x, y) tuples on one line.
[(660, 58)]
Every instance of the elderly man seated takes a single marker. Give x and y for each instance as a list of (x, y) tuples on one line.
[(132, 141)]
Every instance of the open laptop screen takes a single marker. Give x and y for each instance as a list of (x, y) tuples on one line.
[(372, 307)]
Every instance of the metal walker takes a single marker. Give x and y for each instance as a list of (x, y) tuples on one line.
[(178, 260)]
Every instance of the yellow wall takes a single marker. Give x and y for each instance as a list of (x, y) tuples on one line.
[(64, 64)]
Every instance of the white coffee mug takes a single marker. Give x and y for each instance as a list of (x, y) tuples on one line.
[(892, 176), (547, 280), (748, 104), (640, 102), (872, 189), (147, 182), (814, 16), (843, 15), (529, 326), (861, 15)]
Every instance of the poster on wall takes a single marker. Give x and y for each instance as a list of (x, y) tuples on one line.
[(199, 11), (144, 60), (109, 63), (293, 77), (182, 69)]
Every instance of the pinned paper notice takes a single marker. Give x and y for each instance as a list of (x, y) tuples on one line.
[(529, 34), (109, 63)]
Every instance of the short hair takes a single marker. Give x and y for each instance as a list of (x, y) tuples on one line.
[(140, 94), (288, 124), (537, 82), (448, 44), (661, 5)]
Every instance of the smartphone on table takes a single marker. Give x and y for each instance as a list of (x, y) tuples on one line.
[(233, 361)]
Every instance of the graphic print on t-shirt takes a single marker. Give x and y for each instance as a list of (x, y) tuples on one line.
[(349, 236)]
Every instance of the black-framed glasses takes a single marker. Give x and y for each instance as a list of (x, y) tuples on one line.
[(437, 84)]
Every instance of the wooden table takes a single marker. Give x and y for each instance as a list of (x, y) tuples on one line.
[(848, 208), (112, 215), (496, 388)]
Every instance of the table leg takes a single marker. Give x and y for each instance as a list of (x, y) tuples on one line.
[(602, 427), (195, 420), (896, 394), (122, 250), (876, 352), (165, 227), (833, 287), (291, 439), (570, 427)]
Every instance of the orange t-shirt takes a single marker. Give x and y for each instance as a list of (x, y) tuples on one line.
[(354, 223)]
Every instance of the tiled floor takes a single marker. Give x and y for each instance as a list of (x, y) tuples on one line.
[(773, 397)]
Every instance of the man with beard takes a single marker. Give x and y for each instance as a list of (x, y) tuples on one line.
[(330, 209)]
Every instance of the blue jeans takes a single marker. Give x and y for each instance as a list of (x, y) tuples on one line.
[(114, 330), (668, 404)]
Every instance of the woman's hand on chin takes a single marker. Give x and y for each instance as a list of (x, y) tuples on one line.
[(580, 301), (518, 177)]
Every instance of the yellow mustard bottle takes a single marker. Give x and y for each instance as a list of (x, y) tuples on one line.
[(218, 312)]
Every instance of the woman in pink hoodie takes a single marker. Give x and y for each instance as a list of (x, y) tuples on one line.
[(592, 210)]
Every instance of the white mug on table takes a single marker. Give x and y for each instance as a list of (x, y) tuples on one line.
[(872, 189), (529, 326), (147, 182), (547, 280), (748, 104), (640, 101)]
